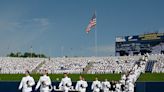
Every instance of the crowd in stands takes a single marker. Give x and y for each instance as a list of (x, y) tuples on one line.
[(130, 67), (112, 65), (126, 83), (94, 65), (159, 65), (62, 65), (10, 65)]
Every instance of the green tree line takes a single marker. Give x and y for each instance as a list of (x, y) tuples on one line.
[(26, 54)]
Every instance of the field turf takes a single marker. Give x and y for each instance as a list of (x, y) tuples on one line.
[(57, 77), (151, 77), (147, 77)]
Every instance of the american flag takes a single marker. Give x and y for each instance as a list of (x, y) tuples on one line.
[(92, 24)]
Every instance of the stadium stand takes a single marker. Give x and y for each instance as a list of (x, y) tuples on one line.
[(10, 65), (130, 66), (159, 65), (149, 65), (112, 65), (76, 65), (62, 65)]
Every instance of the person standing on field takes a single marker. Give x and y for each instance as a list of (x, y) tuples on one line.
[(96, 85), (26, 83), (44, 83), (81, 85), (65, 83)]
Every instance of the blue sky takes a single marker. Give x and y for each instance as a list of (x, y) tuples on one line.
[(57, 27)]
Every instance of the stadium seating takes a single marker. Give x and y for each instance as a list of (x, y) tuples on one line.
[(18, 65), (130, 66), (94, 65), (159, 65), (149, 65)]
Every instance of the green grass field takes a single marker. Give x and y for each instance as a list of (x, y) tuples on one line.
[(57, 77), (152, 77), (147, 77)]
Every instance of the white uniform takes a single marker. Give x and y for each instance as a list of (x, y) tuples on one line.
[(44, 83), (105, 86), (81, 86), (96, 85), (26, 84), (123, 77), (65, 84), (131, 87), (118, 87)]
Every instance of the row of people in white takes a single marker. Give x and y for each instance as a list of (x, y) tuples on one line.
[(27, 82), (44, 83), (96, 86), (65, 85), (131, 77)]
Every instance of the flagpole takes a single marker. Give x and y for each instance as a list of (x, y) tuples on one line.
[(92, 24), (96, 36)]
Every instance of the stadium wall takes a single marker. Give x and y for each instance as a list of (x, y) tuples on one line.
[(140, 86)]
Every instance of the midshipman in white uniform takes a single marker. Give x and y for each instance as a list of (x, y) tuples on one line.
[(118, 87), (85, 83), (96, 85), (81, 85), (131, 87), (65, 83), (26, 83), (105, 86), (44, 83)]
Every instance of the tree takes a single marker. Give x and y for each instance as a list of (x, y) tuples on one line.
[(26, 54)]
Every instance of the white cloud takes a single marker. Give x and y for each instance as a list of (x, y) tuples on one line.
[(21, 33), (42, 21), (36, 24)]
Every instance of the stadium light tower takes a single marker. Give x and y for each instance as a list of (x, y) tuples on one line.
[(31, 51), (62, 48)]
